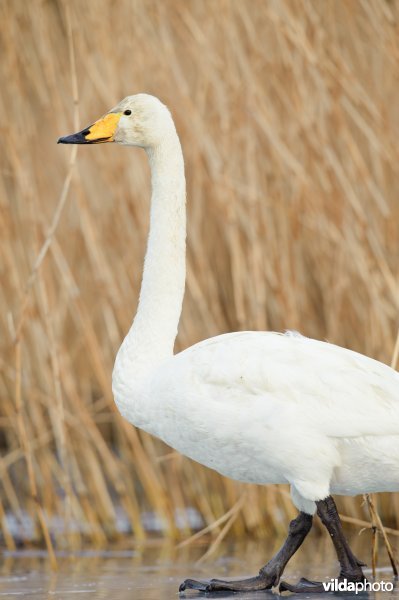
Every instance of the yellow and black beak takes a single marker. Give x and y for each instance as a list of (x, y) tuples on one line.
[(100, 132)]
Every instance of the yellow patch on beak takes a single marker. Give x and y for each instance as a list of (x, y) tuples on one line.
[(104, 129)]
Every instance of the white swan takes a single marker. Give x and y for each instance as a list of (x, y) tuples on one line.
[(258, 407)]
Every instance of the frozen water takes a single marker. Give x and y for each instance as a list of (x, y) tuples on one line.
[(154, 571)]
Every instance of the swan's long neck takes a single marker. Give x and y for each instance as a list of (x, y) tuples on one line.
[(152, 335)]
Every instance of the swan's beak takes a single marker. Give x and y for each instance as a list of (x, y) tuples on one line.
[(100, 132)]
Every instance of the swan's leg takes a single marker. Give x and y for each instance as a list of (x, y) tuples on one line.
[(350, 566), (269, 575)]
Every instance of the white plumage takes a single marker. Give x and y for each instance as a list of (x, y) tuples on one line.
[(256, 407), (273, 408), (259, 407)]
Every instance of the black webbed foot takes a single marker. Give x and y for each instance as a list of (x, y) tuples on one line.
[(304, 586), (193, 584), (269, 575), (252, 584)]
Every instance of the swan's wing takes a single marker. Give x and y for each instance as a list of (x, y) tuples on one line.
[(284, 377)]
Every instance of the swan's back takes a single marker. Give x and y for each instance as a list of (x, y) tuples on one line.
[(338, 391)]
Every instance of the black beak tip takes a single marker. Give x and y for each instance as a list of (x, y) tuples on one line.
[(75, 138)]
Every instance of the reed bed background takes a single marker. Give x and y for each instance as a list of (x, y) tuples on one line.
[(288, 114)]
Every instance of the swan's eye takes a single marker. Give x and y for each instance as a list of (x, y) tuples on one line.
[(127, 112)]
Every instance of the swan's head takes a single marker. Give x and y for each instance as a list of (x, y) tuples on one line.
[(140, 120)]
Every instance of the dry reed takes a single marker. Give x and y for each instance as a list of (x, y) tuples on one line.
[(289, 119)]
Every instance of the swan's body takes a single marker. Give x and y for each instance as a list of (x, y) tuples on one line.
[(257, 407), (272, 408)]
